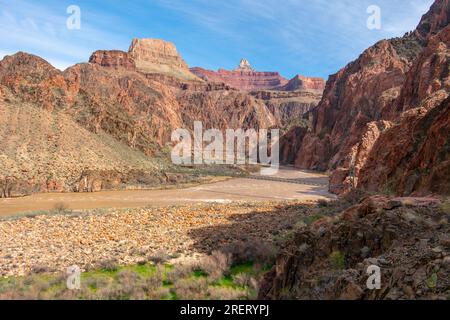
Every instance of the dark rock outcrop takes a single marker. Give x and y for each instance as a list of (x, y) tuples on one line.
[(330, 259), (368, 101)]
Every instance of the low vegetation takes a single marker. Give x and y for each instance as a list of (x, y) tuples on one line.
[(232, 272), (216, 276)]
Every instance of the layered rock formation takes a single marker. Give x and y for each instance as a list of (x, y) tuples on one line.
[(113, 98), (382, 95), (113, 59), (289, 107), (247, 79), (149, 56), (243, 79), (287, 100), (159, 56)]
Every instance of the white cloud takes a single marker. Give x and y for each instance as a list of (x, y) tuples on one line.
[(327, 32), (316, 35), (36, 29)]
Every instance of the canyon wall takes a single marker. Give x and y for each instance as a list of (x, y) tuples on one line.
[(391, 86), (114, 100), (247, 79)]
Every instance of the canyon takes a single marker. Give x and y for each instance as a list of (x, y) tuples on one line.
[(378, 130), (382, 131), (380, 115), (132, 100)]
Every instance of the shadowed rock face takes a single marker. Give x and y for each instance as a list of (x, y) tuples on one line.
[(370, 99), (434, 20), (330, 258)]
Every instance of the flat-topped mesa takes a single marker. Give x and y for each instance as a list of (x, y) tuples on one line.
[(159, 56), (149, 56)]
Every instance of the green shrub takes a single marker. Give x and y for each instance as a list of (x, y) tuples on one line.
[(337, 259)]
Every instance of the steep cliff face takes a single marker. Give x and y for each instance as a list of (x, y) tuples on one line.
[(133, 109), (289, 107), (366, 99), (113, 59), (245, 78), (111, 98), (415, 152), (434, 20), (242, 79), (287, 100), (159, 56), (353, 97)]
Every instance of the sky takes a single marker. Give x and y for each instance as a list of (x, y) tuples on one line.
[(308, 37)]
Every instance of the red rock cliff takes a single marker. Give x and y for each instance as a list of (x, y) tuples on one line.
[(369, 100)]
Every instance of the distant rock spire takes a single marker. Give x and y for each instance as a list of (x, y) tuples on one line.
[(245, 65)]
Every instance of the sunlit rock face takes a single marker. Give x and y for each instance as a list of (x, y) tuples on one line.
[(159, 56), (380, 115)]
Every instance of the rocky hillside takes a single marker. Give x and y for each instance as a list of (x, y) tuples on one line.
[(382, 126), (43, 151), (330, 258), (135, 98), (380, 114)]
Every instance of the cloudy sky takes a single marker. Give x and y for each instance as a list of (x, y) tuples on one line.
[(310, 37)]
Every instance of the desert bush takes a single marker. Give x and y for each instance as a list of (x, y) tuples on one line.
[(242, 280), (108, 265), (322, 203), (191, 289), (445, 206), (337, 259), (158, 258), (224, 293), (158, 294), (155, 280), (40, 269), (215, 265), (256, 252), (60, 207), (180, 271), (95, 282), (129, 285)]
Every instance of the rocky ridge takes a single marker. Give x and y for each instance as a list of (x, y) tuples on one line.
[(381, 95), (406, 237), (111, 95), (247, 79)]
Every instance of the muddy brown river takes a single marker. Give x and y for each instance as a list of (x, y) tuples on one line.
[(288, 184)]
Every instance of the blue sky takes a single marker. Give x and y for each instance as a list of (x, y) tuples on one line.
[(309, 37)]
